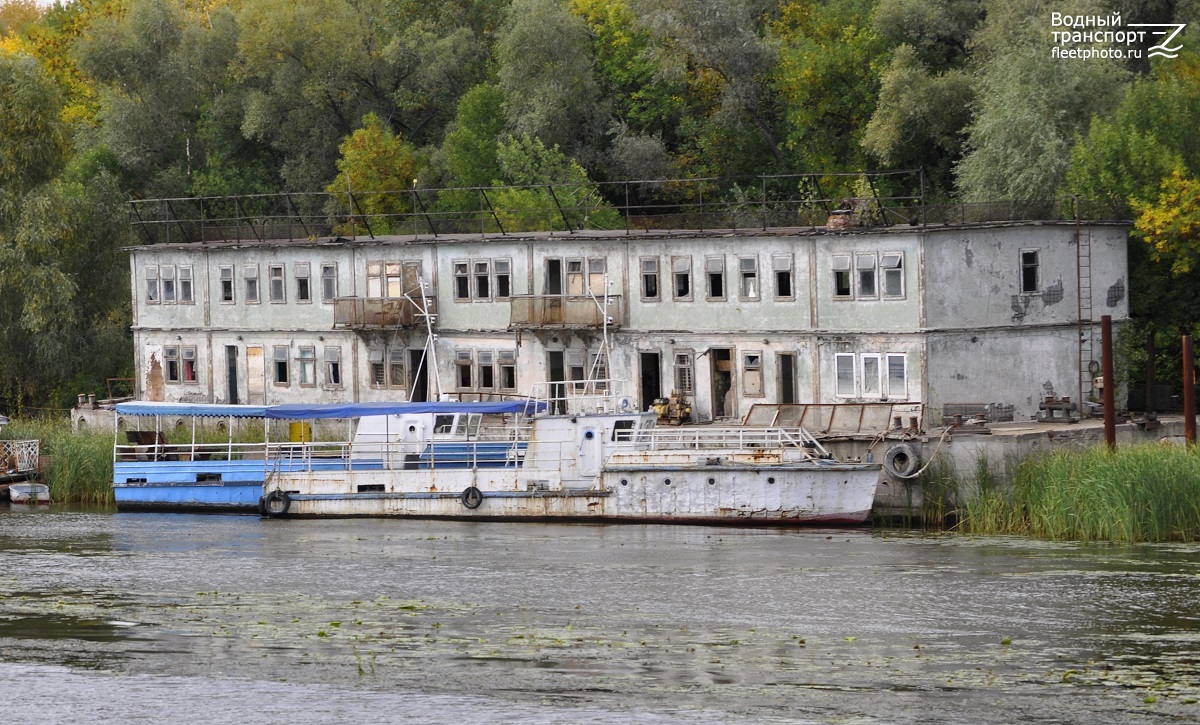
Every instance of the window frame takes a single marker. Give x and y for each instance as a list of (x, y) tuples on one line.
[(1026, 267), (714, 270), (306, 364), (877, 378), (166, 278), (752, 368), (481, 279), (889, 272), (333, 366), (172, 367), (866, 263), (681, 267), (746, 274), (506, 366), (461, 271), (250, 284), (277, 283), (375, 280), (302, 273), (153, 287), (838, 358), (281, 373), (329, 282), (647, 274), (887, 375), (684, 366), (842, 266), (187, 288), (231, 281), (502, 290), (784, 264)]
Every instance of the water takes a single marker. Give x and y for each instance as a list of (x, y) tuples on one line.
[(132, 618)]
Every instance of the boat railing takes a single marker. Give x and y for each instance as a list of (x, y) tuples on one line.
[(583, 397), (19, 456), (393, 455), (731, 438), (157, 449)]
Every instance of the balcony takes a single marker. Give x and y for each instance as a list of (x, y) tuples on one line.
[(357, 313), (571, 312)]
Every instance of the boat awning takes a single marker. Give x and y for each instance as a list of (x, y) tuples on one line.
[(358, 410), (208, 410)]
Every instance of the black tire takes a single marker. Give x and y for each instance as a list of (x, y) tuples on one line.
[(901, 461), (472, 497), (276, 503)]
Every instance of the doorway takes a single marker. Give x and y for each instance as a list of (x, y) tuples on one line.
[(231, 373), (724, 397), (556, 361), (256, 376), (651, 378), (418, 391), (787, 378)]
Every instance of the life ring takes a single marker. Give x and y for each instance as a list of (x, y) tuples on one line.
[(472, 497), (901, 461), (275, 503)]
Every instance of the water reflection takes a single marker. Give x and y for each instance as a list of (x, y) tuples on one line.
[(652, 621)]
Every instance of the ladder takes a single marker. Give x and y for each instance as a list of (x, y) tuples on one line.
[(1083, 268)]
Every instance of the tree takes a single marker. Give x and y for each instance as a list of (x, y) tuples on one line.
[(469, 153), (374, 161), (544, 181), (33, 139), (1171, 224)]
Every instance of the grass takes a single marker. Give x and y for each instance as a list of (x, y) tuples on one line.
[(1145, 492), (76, 466)]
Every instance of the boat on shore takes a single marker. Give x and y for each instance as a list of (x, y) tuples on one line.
[(585, 456)]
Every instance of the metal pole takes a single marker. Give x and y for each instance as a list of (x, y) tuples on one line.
[(1110, 412), (1189, 391)]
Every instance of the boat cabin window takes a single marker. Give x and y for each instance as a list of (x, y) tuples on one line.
[(623, 430), (443, 424), (467, 426)]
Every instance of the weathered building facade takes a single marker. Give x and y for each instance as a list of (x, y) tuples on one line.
[(993, 313)]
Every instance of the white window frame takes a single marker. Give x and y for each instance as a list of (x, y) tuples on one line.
[(869, 264), (172, 365), (374, 280), (685, 371), (461, 269), (847, 360), (842, 264), (481, 279), (187, 291), (228, 277), (153, 288), (648, 269), (891, 266), (281, 354), (871, 385), (333, 366), (251, 284), (682, 266), (393, 280), (506, 360), (281, 287), (752, 367), (784, 264), (306, 364), (170, 291), (901, 394), (714, 264), (502, 269), (748, 276), (329, 282), (302, 272), (187, 354)]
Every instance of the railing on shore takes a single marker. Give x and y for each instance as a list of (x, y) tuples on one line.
[(19, 456), (769, 201)]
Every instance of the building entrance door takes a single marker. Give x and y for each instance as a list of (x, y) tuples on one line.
[(231, 373), (651, 378), (419, 392), (256, 376), (724, 397)]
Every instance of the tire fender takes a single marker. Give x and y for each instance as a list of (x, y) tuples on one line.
[(275, 503), (901, 461), (472, 497)]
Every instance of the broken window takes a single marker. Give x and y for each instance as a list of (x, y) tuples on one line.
[(303, 286), (277, 291), (892, 264), (393, 273), (188, 354), (375, 280), (152, 290), (487, 370), (682, 271), (598, 365), (871, 376), (574, 276), (281, 365), (462, 281), (308, 366), (167, 273), (1029, 270), (897, 383), (462, 366), (171, 364), (328, 282), (844, 375), (752, 373), (508, 370), (378, 370), (396, 368), (250, 275), (503, 268), (575, 368), (554, 279), (782, 265), (841, 276), (483, 278), (597, 270), (748, 274), (865, 266), (226, 283), (683, 372), (714, 269), (333, 367), (185, 286), (649, 278)]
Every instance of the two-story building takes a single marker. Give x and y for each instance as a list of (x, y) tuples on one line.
[(993, 313)]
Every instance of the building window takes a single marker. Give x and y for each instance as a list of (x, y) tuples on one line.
[(598, 364), (462, 369), (864, 264), (462, 281), (394, 273), (375, 280), (171, 364), (328, 282), (575, 368), (483, 278), (844, 374), (597, 270), (503, 279), (841, 276), (487, 370), (1029, 270), (185, 286), (649, 278), (782, 265), (226, 284), (303, 287), (153, 296), (308, 367), (892, 264), (396, 368), (250, 275), (281, 365), (188, 354), (168, 284), (378, 370), (714, 270), (897, 379), (752, 373), (871, 376), (333, 367), (277, 281), (574, 276), (684, 378), (681, 270), (508, 370), (554, 279), (748, 277)]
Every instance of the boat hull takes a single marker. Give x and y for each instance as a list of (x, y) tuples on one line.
[(776, 495), (29, 492)]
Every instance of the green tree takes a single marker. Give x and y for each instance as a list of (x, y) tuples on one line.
[(375, 168), (547, 185), (469, 153), (34, 143)]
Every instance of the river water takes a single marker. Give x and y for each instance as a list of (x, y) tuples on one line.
[(149, 618)]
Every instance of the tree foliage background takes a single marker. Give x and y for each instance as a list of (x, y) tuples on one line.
[(106, 100)]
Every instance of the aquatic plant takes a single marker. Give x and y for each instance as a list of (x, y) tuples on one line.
[(1146, 492), (76, 466)]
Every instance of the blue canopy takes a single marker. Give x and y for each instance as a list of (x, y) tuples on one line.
[(358, 410), (139, 407)]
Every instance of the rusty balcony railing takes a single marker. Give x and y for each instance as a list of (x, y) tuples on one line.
[(358, 313), (565, 311)]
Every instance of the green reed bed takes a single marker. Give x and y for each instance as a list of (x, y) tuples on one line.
[(76, 466), (1146, 492)]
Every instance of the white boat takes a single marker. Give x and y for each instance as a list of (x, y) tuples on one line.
[(593, 458), (29, 492)]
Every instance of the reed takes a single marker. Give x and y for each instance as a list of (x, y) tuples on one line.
[(76, 466), (1145, 492)]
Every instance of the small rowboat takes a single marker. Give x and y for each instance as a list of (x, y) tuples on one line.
[(29, 492)]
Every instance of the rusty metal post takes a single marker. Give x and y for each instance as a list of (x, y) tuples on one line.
[(1189, 391), (1110, 406)]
